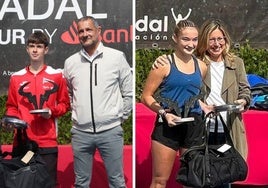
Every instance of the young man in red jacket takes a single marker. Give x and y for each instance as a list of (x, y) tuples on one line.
[(39, 86)]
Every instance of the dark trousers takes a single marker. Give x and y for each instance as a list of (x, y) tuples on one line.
[(51, 160)]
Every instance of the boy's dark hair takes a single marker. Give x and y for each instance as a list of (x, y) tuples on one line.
[(38, 37)]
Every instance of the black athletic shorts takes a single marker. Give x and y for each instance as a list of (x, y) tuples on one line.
[(183, 135)]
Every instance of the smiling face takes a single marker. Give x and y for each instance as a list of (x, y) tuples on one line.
[(214, 42), (216, 45), (186, 41), (88, 34)]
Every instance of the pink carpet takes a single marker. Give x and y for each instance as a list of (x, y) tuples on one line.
[(99, 178), (256, 123)]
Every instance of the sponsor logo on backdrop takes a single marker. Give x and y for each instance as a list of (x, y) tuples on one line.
[(152, 30), (108, 36), (31, 11)]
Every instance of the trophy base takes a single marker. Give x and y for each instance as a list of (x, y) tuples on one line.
[(39, 111), (227, 107), (182, 120)]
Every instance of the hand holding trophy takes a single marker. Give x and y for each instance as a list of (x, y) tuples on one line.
[(174, 115)]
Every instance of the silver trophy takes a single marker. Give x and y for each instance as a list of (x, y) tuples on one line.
[(174, 106)]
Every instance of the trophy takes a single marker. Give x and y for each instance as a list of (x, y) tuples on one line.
[(11, 122), (173, 106), (44, 97)]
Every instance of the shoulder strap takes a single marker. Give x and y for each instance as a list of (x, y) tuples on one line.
[(172, 58), (226, 131), (197, 68), (195, 60)]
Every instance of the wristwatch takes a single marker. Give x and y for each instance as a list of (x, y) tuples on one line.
[(162, 112)]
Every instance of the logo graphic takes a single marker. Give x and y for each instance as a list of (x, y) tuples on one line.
[(70, 37), (156, 31), (179, 17), (44, 97)]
